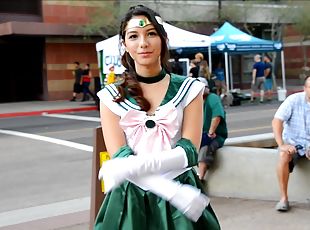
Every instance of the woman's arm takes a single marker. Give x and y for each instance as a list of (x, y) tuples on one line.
[(113, 135), (193, 121)]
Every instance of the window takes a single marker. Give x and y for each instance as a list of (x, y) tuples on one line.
[(21, 6)]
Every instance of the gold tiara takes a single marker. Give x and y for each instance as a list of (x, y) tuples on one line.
[(138, 22), (142, 22)]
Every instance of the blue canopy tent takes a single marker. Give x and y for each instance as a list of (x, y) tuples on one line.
[(230, 40)]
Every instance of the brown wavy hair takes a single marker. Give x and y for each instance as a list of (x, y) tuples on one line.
[(204, 70), (130, 84)]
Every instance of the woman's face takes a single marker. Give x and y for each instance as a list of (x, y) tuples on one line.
[(143, 45)]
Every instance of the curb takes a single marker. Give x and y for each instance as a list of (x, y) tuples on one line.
[(40, 112)]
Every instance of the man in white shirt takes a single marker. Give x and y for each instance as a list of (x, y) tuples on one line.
[(291, 128)]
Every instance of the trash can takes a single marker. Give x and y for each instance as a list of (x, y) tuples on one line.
[(281, 94)]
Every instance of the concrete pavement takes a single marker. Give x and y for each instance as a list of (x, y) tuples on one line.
[(233, 214)]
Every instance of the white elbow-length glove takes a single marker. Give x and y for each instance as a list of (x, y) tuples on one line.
[(114, 172), (186, 198)]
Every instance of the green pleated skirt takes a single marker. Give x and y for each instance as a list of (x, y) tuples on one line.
[(128, 207)]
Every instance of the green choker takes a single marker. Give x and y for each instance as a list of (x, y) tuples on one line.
[(151, 80)]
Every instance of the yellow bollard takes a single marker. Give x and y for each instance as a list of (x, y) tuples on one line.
[(97, 196), (103, 156)]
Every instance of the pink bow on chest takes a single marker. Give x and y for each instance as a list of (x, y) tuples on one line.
[(146, 134)]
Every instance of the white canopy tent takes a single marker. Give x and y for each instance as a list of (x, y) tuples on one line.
[(108, 51)]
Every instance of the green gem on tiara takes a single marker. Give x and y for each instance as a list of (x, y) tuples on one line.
[(137, 22), (142, 23)]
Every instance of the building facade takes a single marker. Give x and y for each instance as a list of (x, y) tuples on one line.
[(40, 40)]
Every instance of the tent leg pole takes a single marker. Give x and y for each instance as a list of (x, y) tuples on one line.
[(230, 74), (226, 71), (100, 66), (283, 70), (210, 58)]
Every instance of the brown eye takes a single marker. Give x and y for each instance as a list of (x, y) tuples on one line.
[(152, 33), (132, 36)]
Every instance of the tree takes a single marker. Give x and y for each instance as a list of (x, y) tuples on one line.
[(103, 19), (236, 13), (278, 14), (302, 25)]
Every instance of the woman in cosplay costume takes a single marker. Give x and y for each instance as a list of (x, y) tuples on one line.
[(149, 131)]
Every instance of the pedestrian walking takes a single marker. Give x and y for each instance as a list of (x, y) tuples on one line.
[(258, 78), (77, 74), (85, 81), (268, 77)]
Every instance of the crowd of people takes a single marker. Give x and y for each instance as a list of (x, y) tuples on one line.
[(261, 78), (157, 124)]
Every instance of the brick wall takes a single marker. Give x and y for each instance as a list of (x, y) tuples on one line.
[(65, 14), (61, 52), (60, 56), (294, 52)]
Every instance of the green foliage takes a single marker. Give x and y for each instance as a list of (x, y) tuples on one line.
[(190, 26), (235, 13), (302, 25), (103, 20), (302, 19), (232, 14)]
